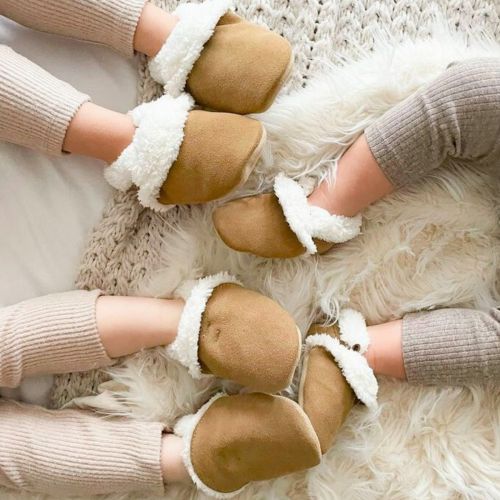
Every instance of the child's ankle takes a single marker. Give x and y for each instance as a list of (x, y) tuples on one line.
[(324, 197), (172, 465), (98, 132), (385, 352), (153, 29)]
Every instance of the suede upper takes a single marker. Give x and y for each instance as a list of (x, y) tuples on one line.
[(217, 154), (241, 68), (256, 224), (248, 338), (251, 437), (324, 393)]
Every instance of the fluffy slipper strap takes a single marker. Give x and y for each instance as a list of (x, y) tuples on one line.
[(350, 359), (353, 331), (353, 365), (175, 60), (308, 222), (184, 348), (155, 146)]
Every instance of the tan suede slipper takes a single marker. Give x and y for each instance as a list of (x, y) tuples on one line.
[(226, 63), (281, 225), (335, 374), (233, 440), (236, 334), (179, 156)]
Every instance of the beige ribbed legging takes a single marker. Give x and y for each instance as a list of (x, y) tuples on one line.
[(63, 452), (74, 452)]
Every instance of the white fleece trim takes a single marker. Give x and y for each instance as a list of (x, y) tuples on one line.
[(184, 348), (353, 331), (175, 60), (185, 428), (309, 222), (146, 162), (353, 365)]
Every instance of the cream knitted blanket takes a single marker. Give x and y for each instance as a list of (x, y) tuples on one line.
[(417, 251)]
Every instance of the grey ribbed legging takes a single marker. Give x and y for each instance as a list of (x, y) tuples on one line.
[(64, 452), (456, 116)]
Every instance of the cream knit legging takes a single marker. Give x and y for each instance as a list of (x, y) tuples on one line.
[(63, 452), (67, 451), (75, 452)]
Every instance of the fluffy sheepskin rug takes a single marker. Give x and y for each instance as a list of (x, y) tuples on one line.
[(433, 245)]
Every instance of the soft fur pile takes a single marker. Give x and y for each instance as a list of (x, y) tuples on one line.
[(432, 245)]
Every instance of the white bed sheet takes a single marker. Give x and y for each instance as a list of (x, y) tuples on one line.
[(49, 205)]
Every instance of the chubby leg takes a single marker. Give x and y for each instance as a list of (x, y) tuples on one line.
[(442, 347), (128, 324), (79, 331), (70, 452), (457, 116), (37, 109), (385, 352)]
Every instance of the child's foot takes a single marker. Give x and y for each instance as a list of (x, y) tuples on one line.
[(178, 156), (236, 334), (335, 374), (282, 225), (226, 63), (233, 440)]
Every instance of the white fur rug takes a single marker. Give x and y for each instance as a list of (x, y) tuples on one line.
[(436, 244), (433, 245)]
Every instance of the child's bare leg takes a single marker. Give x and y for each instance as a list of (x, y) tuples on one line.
[(441, 347), (98, 132), (153, 29), (359, 182), (129, 324), (80, 331), (46, 114), (457, 116), (385, 352)]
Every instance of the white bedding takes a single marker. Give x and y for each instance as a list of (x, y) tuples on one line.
[(48, 205)]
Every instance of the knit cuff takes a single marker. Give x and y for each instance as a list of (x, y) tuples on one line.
[(51, 334), (74, 452), (115, 22), (35, 107), (451, 346), (111, 22), (386, 155)]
